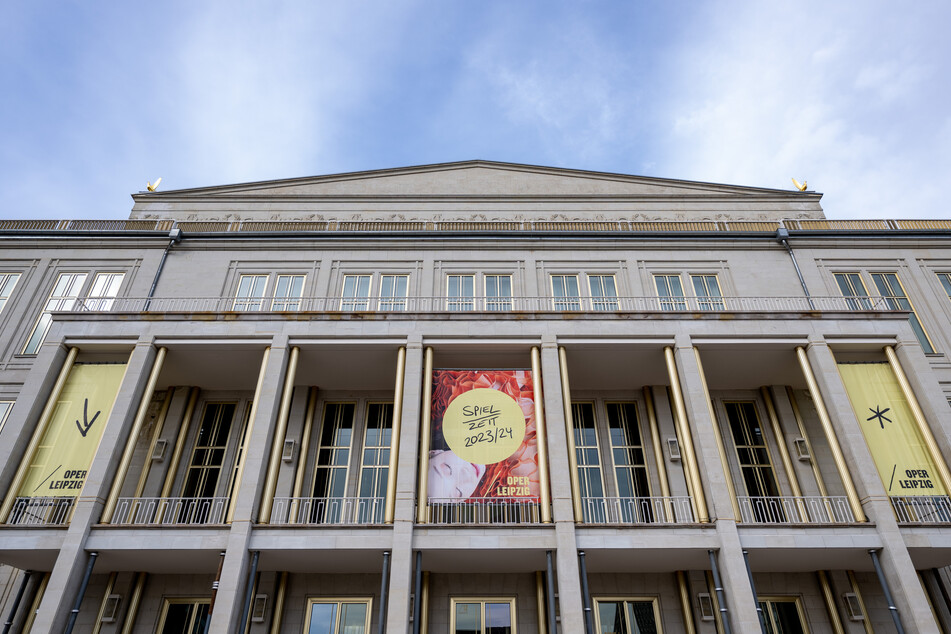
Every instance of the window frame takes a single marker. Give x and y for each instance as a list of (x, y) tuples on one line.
[(8, 284), (670, 302), (498, 302), (170, 601), (338, 601), (583, 481), (374, 300), (268, 299), (772, 599), (767, 441), (706, 301), (654, 601), (927, 344), (646, 466), (222, 484), (482, 601), (28, 347), (5, 408)]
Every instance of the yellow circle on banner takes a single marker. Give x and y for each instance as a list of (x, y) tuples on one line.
[(484, 426)]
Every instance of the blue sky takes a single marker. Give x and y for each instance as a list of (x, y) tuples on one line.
[(99, 97)]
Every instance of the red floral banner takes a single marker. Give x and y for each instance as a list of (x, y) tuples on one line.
[(483, 442)]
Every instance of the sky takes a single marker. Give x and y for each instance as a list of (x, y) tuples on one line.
[(97, 98)]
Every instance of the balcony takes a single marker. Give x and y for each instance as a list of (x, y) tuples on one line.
[(460, 305), (484, 511), (327, 511), (170, 511), (922, 509), (641, 510), (795, 510), (50, 511)]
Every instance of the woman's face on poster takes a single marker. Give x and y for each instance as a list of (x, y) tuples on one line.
[(452, 477)]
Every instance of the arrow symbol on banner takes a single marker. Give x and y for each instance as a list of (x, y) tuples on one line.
[(879, 414), (84, 429)]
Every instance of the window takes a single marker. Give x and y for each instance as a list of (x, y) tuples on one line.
[(564, 288), (102, 294), (252, 293), (853, 290), (63, 297), (603, 292), (333, 459), (288, 292), (756, 468), (208, 454), (393, 292), (498, 292), (944, 278), (461, 292), (376, 462), (184, 616), (671, 292), (589, 461), (707, 290), (630, 466), (892, 292), (483, 616), (782, 615), (338, 616), (356, 292), (7, 283), (627, 616), (5, 407)]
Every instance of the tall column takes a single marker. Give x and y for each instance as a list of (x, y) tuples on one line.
[(234, 570), (910, 597), (563, 514), (401, 559), (71, 562)]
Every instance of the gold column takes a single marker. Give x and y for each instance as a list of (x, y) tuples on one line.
[(389, 509), (35, 605), (134, 602), (41, 426), (829, 430), (867, 621), (102, 606), (422, 495), (245, 442), (728, 478), (134, 434), (159, 425), (784, 452), (697, 498), (277, 443), (424, 607), (278, 609), (570, 431), (302, 454), (933, 450), (658, 453), (180, 443), (541, 436), (540, 602), (831, 607), (823, 491), (685, 606)]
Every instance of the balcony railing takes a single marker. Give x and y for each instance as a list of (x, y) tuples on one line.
[(643, 510), (52, 511), (463, 305), (170, 511), (484, 511), (318, 511), (815, 509), (923, 509)]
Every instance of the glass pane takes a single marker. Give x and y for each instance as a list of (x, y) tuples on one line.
[(177, 618), (353, 618), (612, 618), (498, 618), (468, 618), (322, 617), (641, 614), (786, 617)]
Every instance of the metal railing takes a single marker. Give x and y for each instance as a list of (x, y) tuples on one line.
[(170, 511), (811, 509), (922, 509), (640, 510), (340, 510), (51, 511), (463, 305), (484, 511)]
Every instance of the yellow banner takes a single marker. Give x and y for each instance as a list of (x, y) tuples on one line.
[(903, 460), (62, 459)]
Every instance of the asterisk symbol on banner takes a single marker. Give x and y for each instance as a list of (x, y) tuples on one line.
[(880, 415)]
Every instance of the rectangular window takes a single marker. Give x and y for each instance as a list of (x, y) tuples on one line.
[(853, 290), (483, 616), (105, 289), (208, 455), (628, 616), (393, 292), (5, 407), (338, 616), (893, 293), (707, 290), (589, 461), (564, 288), (63, 297), (498, 292), (7, 283), (333, 458), (756, 468), (630, 466), (461, 292), (603, 292), (250, 295), (670, 290), (184, 616), (356, 292), (783, 615), (376, 462), (944, 278), (288, 292)]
